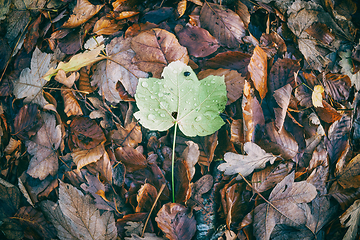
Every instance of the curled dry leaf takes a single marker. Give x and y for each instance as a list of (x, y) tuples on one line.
[(72, 106), (82, 12), (27, 122), (67, 81), (287, 197), (106, 26), (256, 158), (43, 148), (155, 49), (117, 68), (198, 41), (252, 113), (258, 70), (224, 24), (234, 82), (181, 8), (84, 157), (174, 220)]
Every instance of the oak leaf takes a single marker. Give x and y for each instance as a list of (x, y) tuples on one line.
[(245, 164)]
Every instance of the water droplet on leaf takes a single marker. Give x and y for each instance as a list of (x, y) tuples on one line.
[(198, 118), (162, 115), (151, 117), (144, 84)]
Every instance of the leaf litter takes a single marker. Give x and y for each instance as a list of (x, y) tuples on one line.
[(265, 94)]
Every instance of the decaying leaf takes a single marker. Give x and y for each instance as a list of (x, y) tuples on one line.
[(196, 103), (43, 148), (155, 49), (245, 164), (351, 218), (174, 220), (286, 200), (224, 24)]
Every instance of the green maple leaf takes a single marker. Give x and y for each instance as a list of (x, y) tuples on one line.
[(180, 97)]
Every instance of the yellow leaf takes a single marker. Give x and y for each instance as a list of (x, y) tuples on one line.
[(317, 96), (76, 62)]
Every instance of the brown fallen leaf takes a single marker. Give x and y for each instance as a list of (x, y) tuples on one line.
[(106, 26), (349, 175), (327, 113), (282, 73), (155, 49), (201, 186), (224, 24), (191, 156), (72, 106), (253, 116), (350, 218), (282, 97), (145, 198), (182, 181), (67, 81), (174, 220), (286, 200), (131, 158), (258, 71), (83, 157), (82, 12), (198, 41), (321, 32), (129, 136)]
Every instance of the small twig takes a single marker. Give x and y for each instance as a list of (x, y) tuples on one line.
[(152, 208)]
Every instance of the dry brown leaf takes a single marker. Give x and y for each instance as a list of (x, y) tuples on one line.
[(252, 113), (351, 218), (106, 26), (84, 81), (131, 158), (327, 113), (236, 203), (182, 181), (198, 41), (258, 71), (282, 97), (233, 60), (224, 24), (72, 106), (181, 8), (282, 73), (155, 49), (82, 12), (191, 156), (288, 198), (349, 176), (129, 136), (12, 146), (119, 68), (234, 82), (84, 157), (145, 198), (126, 14), (43, 148), (136, 28), (237, 132), (174, 220), (201, 186)]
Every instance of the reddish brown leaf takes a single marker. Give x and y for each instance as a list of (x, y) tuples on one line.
[(273, 41), (328, 113), (198, 41), (145, 198), (84, 81), (72, 106), (182, 181), (84, 157), (201, 186), (233, 60), (258, 71), (131, 158), (222, 23), (129, 136), (32, 35), (27, 122), (253, 116), (282, 73), (237, 132), (85, 133), (136, 28), (155, 49), (174, 220), (321, 32), (337, 86), (106, 26)]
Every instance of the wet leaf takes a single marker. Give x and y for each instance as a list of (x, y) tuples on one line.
[(245, 164), (282, 73), (224, 24), (82, 12), (258, 71), (174, 220), (286, 197), (155, 49), (43, 148), (196, 103)]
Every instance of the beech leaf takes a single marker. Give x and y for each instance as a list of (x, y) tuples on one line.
[(246, 164), (180, 97)]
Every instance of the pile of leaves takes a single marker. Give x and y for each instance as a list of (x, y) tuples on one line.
[(89, 90)]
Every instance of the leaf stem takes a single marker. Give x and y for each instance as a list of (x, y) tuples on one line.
[(172, 164)]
